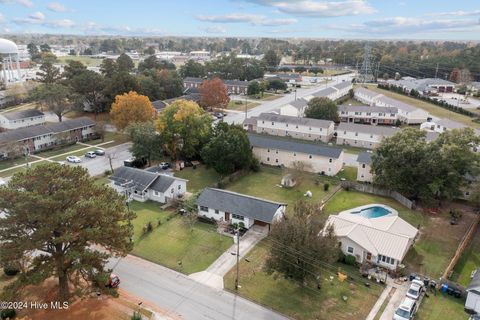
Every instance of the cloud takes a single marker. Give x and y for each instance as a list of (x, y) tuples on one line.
[(456, 13), (405, 25), (63, 23), (56, 7), (37, 16), (314, 8), (94, 28), (254, 19), (215, 29), (25, 3)]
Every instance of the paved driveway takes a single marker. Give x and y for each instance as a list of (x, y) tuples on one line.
[(182, 296)]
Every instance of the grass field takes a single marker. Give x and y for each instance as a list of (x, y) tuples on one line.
[(348, 173), (79, 154), (469, 262), (62, 150), (353, 102), (239, 105), (431, 108), (198, 178), (301, 302), (86, 60), (441, 307), (174, 243)]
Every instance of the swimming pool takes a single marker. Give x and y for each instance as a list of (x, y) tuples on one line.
[(372, 212)]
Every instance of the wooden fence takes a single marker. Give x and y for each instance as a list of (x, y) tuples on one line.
[(368, 188)]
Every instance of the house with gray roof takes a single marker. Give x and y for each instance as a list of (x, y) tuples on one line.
[(145, 185), (334, 92), (299, 128), (232, 207), (368, 115), (362, 135), (288, 152), (442, 125), (424, 86), (472, 304), (21, 119), (233, 86), (364, 169), (294, 108)]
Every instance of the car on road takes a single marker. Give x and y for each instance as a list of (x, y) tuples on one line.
[(90, 154), (219, 115), (406, 310), (415, 290), (74, 159), (113, 281), (164, 165), (99, 152)]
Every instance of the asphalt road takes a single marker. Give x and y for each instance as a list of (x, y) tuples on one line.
[(183, 297)]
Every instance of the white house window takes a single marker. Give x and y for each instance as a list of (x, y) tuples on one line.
[(172, 191), (363, 165), (216, 211), (330, 160), (237, 217), (179, 187), (276, 160), (273, 123), (268, 159), (203, 208), (350, 250), (356, 134)]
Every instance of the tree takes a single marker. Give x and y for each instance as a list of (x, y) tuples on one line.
[(88, 88), (72, 69), (285, 69), (192, 69), (118, 84), (214, 94), (228, 150), (171, 85), (48, 72), (45, 48), (146, 142), (300, 69), (149, 51), (124, 63), (130, 108), (276, 84), (108, 67), (322, 108), (271, 58), (59, 213), (33, 51), (185, 128), (316, 70), (297, 245), (253, 88), (54, 97), (149, 64)]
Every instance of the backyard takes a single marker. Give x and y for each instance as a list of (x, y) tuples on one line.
[(441, 306), (86, 60), (469, 262), (174, 243), (198, 178), (297, 301)]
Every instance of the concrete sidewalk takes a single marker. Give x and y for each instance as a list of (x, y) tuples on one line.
[(393, 300), (213, 275)]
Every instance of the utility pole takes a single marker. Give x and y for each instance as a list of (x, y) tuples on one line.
[(246, 110), (295, 94), (436, 71), (238, 258)]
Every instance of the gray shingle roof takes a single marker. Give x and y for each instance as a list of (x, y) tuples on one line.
[(159, 105), (324, 92), (236, 203), (365, 157), (365, 128), (162, 183), (35, 131), (269, 142), (348, 108), (397, 104), (142, 179), (299, 104), (316, 123), (192, 79), (22, 114), (343, 85), (475, 282), (450, 124)]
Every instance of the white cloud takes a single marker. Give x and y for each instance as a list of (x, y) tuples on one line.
[(314, 8), (215, 29), (63, 23), (56, 7), (37, 16), (25, 3), (2, 18), (456, 13), (94, 28), (254, 19)]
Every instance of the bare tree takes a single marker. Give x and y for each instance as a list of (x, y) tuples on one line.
[(298, 171), (100, 129), (110, 156)]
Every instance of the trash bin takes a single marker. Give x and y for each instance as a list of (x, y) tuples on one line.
[(457, 293), (412, 276), (450, 291), (444, 288), (426, 281)]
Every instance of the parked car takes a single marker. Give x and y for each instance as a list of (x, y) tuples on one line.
[(113, 281), (99, 152), (135, 163), (74, 159), (90, 154), (415, 290), (406, 310), (219, 115), (164, 165)]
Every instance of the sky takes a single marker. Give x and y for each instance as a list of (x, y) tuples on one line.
[(353, 19)]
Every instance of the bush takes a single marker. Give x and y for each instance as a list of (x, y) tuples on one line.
[(221, 185), (326, 186), (11, 270), (255, 165), (350, 260), (107, 173), (136, 316), (8, 314)]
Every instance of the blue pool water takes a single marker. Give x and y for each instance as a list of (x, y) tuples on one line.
[(372, 212)]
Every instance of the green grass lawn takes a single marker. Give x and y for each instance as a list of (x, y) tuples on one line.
[(116, 138), (266, 184), (429, 107), (11, 172), (441, 307), (469, 262), (86, 60), (301, 302), (235, 105), (353, 102), (349, 173), (62, 150), (5, 164), (101, 180), (198, 178), (174, 244)]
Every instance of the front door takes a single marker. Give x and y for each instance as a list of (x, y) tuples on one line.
[(227, 216)]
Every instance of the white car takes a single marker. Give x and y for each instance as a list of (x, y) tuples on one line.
[(74, 159), (406, 311), (415, 289)]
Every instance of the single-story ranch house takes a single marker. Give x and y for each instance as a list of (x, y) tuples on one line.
[(373, 234), (363, 135), (299, 128), (232, 207), (286, 152), (21, 119), (145, 185)]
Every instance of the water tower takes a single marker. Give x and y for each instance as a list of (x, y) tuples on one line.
[(10, 60)]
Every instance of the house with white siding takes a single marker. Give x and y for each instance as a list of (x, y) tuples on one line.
[(287, 152), (362, 135), (364, 168), (21, 119), (441, 125), (237, 208), (334, 92), (144, 185), (368, 115), (381, 239), (295, 127), (295, 108)]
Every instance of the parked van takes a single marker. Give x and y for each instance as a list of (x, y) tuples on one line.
[(407, 310)]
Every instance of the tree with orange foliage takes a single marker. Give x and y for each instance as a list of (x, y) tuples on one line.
[(130, 108), (214, 94)]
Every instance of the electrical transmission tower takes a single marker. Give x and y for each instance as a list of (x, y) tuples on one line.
[(366, 73)]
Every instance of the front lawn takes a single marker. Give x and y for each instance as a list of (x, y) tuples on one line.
[(61, 150), (348, 173), (79, 153), (301, 302), (469, 262), (173, 243), (198, 178), (441, 307), (239, 105), (10, 172)]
